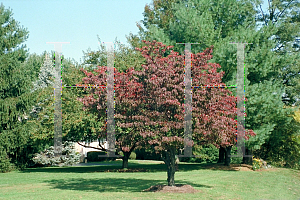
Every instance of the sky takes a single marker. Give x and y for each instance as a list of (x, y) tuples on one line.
[(77, 22)]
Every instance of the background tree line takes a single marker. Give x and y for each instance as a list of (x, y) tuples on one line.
[(272, 68)]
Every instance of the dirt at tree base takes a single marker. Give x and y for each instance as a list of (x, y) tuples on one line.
[(236, 167), (178, 188)]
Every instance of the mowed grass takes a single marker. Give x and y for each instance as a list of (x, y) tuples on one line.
[(91, 182)]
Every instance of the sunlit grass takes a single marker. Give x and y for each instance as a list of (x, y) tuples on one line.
[(92, 182)]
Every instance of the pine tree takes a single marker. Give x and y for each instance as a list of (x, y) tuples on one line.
[(46, 74), (15, 97)]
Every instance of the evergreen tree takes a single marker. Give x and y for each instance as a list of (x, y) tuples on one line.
[(285, 16), (77, 124), (15, 97), (125, 57), (46, 74)]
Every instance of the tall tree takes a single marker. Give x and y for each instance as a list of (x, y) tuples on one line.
[(284, 14), (15, 96)]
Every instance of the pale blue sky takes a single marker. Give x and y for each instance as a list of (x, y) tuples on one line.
[(76, 21)]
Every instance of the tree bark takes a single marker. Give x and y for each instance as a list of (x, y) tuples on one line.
[(227, 154), (221, 155), (125, 159), (170, 162), (247, 160)]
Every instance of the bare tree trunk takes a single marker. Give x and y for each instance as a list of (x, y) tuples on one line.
[(125, 159), (170, 162), (247, 160), (221, 155), (227, 154)]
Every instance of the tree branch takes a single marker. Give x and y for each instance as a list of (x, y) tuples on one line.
[(103, 149), (263, 15), (101, 146), (132, 148), (163, 158), (283, 10)]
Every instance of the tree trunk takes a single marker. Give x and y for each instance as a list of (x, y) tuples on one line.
[(221, 155), (247, 160), (170, 162), (125, 159), (227, 154)]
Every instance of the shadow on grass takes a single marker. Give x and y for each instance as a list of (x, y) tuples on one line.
[(138, 166), (111, 184)]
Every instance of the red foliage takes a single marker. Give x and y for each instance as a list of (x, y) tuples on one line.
[(127, 92), (213, 109), (154, 97)]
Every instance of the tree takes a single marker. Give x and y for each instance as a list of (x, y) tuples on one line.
[(125, 57), (46, 75), (220, 22), (15, 97), (163, 93), (77, 125), (285, 16), (126, 109)]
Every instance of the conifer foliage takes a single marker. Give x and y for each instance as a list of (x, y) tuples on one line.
[(15, 96)]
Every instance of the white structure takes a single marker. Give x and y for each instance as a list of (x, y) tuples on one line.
[(83, 150)]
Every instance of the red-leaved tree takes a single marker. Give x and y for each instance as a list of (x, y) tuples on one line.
[(127, 103), (213, 109)]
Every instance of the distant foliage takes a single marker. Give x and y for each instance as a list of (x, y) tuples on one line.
[(208, 154), (68, 157)]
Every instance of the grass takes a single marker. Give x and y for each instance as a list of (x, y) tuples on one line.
[(91, 182)]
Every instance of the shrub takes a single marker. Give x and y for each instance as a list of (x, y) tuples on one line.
[(5, 165), (68, 157), (93, 156), (235, 160), (146, 154), (132, 156)]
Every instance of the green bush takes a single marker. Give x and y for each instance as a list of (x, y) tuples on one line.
[(235, 160), (132, 156), (93, 156), (68, 157), (5, 165), (146, 154)]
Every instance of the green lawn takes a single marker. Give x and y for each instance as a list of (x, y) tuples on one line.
[(92, 182)]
